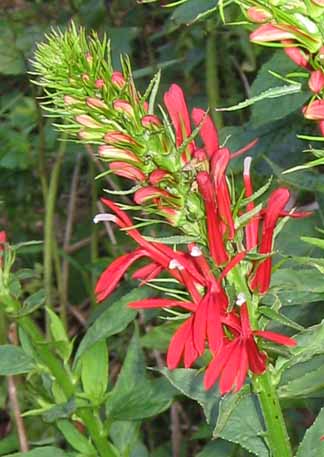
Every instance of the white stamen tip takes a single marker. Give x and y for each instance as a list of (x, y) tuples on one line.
[(241, 299), (195, 252), (247, 165), (174, 264), (104, 217)]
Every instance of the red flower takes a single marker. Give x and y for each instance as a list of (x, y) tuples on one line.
[(215, 241), (240, 354), (316, 81), (315, 110), (207, 131), (252, 227), (297, 55), (276, 204), (178, 111)]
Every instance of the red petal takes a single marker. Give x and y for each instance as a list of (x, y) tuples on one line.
[(190, 352), (243, 369), (230, 370), (177, 344), (216, 366), (214, 326), (146, 271), (276, 337), (208, 131), (160, 303), (257, 359), (112, 275), (200, 324)]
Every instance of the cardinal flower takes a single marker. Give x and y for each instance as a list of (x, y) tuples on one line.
[(239, 355), (276, 204)]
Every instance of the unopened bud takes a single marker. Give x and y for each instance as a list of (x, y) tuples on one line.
[(118, 137), (96, 103), (296, 54), (68, 100), (321, 127), (87, 121), (118, 79), (127, 171), (314, 111), (268, 32), (111, 152), (85, 77), (124, 107), (88, 57), (100, 83), (157, 176), (151, 121), (316, 81), (87, 135), (258, 15)]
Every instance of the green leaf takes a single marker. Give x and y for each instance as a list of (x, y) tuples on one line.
[(192, 11), (234, 417), (278, 317), (134, 396), (190, 383), (273, 92), (217, 448), (94, 371), (239, 422), (310, 343), (312, 446), (60, 411), (13, 360), (159, 337), (59, 335), (318, 242), (72, 435), (112, 321), (269, 110), (45, 451), (307, 384)]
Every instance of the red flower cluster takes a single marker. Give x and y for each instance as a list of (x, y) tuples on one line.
[(294, 41), (212, 322)]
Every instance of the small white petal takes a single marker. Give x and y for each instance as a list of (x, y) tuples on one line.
[(195, 252), (174, 264), (247, 165), (241, 299), (104, 217)]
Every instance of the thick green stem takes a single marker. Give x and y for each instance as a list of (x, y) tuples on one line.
[(49, 224), (277, 434), (94, 427), (212, 74)]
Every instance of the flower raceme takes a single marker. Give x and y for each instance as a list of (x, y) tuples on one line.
[(209, 320)]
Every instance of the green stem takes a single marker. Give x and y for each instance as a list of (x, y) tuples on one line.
[(277, 434), (46, 356), (212, 74), (49, 224), (91, 421)]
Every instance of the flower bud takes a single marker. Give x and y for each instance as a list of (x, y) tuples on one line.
[(93, 102), (124, 107), (88, 57), (318, 2), (127, 171), (316, 81), (100, 83), (314, 111), (118, 137), (68, 100), (85, 77), (118, 79), (148, 193), (268, 32), (296, 54), (158, 175), (321, 127), (111, 152), (88, 121), (87, 135), (258, 15), (151, 121)]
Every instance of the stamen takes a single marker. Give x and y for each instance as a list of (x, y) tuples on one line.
[(195, 251), (104, 217), (247, 165), (241, 299), (174, 264)]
